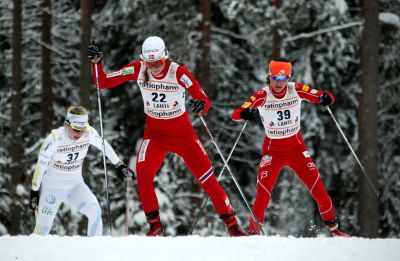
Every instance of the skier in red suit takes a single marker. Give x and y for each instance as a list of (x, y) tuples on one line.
[(279, 106), (163, 85)]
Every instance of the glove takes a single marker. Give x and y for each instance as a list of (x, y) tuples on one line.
[(248, 114), (94, 53), (197, 106), (34, 200), (326, 99), (123, 171)]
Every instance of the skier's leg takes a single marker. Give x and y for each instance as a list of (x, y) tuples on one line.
[(306, 170), (49, 202), (82, 199), (308, 173), (199, 164), (148, 162), (266, 178), (196, 159)]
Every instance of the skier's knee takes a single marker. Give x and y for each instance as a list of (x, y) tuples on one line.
[(91, 210), (144, 175)]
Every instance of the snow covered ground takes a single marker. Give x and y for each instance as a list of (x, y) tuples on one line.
[(38, 248)]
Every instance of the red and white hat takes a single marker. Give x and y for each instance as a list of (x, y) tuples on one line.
[(153, 49)]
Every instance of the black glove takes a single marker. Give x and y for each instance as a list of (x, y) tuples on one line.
[(325, 99), (94, 52), (123, 171), (248, 114), (34, 200), (197, 105)]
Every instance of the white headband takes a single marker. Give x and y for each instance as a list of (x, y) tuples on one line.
[(78, 121)]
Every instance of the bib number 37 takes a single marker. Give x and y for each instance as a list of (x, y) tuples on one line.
[(72, 156)]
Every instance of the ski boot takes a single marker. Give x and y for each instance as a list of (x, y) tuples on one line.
[(253, 233), (233, 227), (254, 228), (334, 228), (154, 221)]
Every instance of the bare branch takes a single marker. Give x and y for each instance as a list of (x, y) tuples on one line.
[(322, 31)]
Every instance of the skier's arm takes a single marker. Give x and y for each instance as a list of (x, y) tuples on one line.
[(96, 140), (126, 73), (187, 81), (313, 95), (256, 100), (45, 154)]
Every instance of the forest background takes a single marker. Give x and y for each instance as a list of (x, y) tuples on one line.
[(348, 47)]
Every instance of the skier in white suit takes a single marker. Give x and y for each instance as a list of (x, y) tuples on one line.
[(59, 173)]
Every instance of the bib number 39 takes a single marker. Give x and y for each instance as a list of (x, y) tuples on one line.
[(283, 115)]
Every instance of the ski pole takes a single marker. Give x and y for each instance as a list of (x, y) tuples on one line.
[(102, 139), (128, 186), (231, 173), (205, 201), (354, 154)]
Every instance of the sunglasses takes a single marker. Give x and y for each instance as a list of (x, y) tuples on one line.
[(154, 64), (279, 77), (75, 129)]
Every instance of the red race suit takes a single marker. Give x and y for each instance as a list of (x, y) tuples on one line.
[(284, 146), (168, 128)]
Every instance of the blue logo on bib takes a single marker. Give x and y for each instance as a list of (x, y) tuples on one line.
[(50, 199)]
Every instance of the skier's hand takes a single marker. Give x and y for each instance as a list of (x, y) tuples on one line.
[(94, 53), (123, 171), (326, 99), (248, 114), (197, 106), (34, 200)]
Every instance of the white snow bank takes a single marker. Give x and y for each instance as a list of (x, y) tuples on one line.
[(193, 248), (389, 18)]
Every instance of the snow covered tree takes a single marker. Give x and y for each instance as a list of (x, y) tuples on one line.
[(321, 38)]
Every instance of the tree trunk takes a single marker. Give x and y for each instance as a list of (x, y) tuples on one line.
[(203, 59), (368, 213), (274, 220), (277, 40), (85, 80), (16, 150), (47, 92), (203, 76), (85, 83)]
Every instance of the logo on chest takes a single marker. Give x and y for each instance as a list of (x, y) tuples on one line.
[(282, 104)]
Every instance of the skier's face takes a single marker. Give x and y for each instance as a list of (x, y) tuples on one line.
[(155, 67), (276, 85), (73, 133)]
